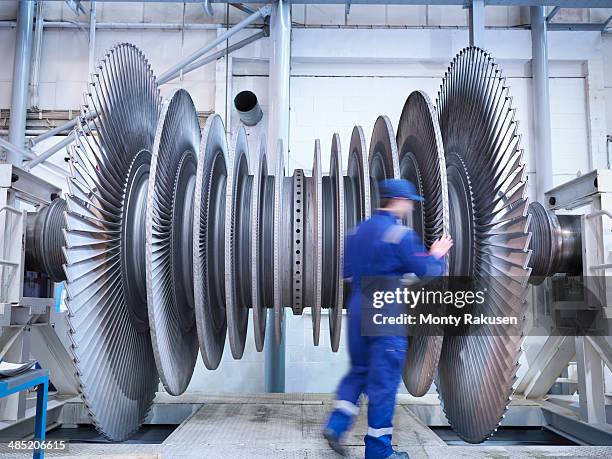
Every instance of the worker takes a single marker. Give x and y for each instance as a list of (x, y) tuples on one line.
[(379, 246)]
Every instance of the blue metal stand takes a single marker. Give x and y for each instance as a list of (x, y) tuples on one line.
[(31, 378)]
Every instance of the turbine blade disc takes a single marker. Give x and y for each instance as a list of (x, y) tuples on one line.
[(238, 246), (105, 243), (278, 229), (209, 242), (359, 172), (335, 244), (169, 242), (383, 160), (315, 256), (421, 158), (261, 253), (483, 160)]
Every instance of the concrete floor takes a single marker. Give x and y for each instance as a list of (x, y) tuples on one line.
[(289, 426)]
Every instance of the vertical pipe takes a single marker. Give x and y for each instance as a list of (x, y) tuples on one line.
[(21, 78), (35, 71), (278, 128), (541, 105), (92, 39), (280, 62), (477, 23)]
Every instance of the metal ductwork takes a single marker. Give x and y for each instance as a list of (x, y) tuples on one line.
[(172, 236), (248, 108)]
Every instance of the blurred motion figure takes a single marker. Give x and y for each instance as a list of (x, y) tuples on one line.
[(379, 246)]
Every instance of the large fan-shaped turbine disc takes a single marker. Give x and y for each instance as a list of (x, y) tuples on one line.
[(105, 244), (209, 241), (488, 209), (421, 154), (169, 242), (237, 246)]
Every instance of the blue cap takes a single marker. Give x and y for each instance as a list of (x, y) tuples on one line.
[(398, 189)]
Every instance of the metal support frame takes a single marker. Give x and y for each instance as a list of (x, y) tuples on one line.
[(552, 14), (278, 129), (477, 23), (15, 150), (590, 382), (541, 105), (544, 370), (22, 317), (591, 196), (175, 71), (21, 78)]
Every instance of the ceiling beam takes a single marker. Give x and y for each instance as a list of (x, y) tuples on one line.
[(560, 3)]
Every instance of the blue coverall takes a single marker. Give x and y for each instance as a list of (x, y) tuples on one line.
[(379, 246)]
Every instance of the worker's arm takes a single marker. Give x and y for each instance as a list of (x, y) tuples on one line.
[(417, 259)]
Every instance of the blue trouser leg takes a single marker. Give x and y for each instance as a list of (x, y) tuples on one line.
[(387, 356), (346, 405)]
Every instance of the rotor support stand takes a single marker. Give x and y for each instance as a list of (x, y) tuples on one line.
[(278, 129), (590, 195)]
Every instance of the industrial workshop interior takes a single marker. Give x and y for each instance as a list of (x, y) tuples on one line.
[(306, 229)]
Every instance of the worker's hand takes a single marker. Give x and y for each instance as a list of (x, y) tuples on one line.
[(441, 247)]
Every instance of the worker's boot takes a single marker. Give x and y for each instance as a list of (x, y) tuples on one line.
[(399, 455), (334, 442)]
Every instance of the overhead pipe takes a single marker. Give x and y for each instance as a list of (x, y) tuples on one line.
[(223, 52), (125, 25), (208, 9), (50, 152), (21, 78), (54, 131), (541, 106), (68, 125), (278, 129), (242, 7), (174, 71), (23, 153), (42, 157)]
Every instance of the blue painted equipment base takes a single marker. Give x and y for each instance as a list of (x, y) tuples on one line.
[(24, 381)]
